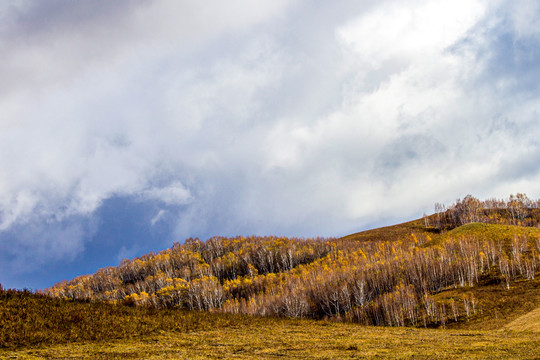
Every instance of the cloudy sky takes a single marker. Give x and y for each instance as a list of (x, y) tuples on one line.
[(128, 125)]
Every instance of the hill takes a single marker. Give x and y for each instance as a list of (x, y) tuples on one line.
[(393, 232), (470, 279), (408, 274)]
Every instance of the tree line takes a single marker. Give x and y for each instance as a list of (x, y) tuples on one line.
[(516, 210)]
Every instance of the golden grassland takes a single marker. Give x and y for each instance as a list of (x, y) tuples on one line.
[(391, 233), (38, 327), (272, 338), (527, 322), (495, 232), (482, 231)]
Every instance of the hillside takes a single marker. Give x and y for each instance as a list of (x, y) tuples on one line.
[(393, 232), (514, 308), (419, 273), (527, 322), (470, 280)]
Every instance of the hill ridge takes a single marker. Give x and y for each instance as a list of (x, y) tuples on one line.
[(381, 276)]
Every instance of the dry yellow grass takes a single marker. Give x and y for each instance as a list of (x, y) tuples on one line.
[(300, 339), (527, 322), (138, 333), (497, 305), (391, 233)]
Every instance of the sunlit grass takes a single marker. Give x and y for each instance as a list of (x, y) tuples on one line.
[(300, 339), (41, 327), (527, 322)]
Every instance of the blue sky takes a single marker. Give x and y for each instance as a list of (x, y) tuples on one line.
[(128, 125)]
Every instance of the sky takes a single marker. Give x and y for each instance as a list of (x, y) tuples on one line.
[(126, 126)]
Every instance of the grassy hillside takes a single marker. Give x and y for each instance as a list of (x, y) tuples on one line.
[(483, 231), (393, 233), (516, 308), (402, 275), (527, 322), (28, 319), (497, 306), (494, 232)]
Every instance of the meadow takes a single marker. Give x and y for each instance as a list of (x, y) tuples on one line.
[(60, 329)]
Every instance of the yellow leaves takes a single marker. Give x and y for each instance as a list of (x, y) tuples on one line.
[(131, 298), (142, 299), (326, 268), (271, 276), (252, 271), (165, 290), (111, 294)]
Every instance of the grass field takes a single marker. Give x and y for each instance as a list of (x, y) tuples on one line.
[(391, 233), (57, 329), (527, 322), (300, 339)]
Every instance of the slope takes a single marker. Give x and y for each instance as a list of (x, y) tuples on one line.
[(527, 322), (393, 232)]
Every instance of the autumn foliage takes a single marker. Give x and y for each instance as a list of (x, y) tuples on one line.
[(376, 282)]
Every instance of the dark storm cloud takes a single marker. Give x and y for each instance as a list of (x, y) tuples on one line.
[(408, 149), (37, 18)]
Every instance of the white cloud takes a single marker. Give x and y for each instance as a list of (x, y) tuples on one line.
[(173, 194), (81, 121), (158, 217), (22, 204), (414, 133), (524, 15), (39, 244), (410, 31)]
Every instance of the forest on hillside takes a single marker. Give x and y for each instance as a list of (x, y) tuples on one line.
[(379, 282)]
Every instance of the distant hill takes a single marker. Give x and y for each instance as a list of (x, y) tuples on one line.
[(442, 270)]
